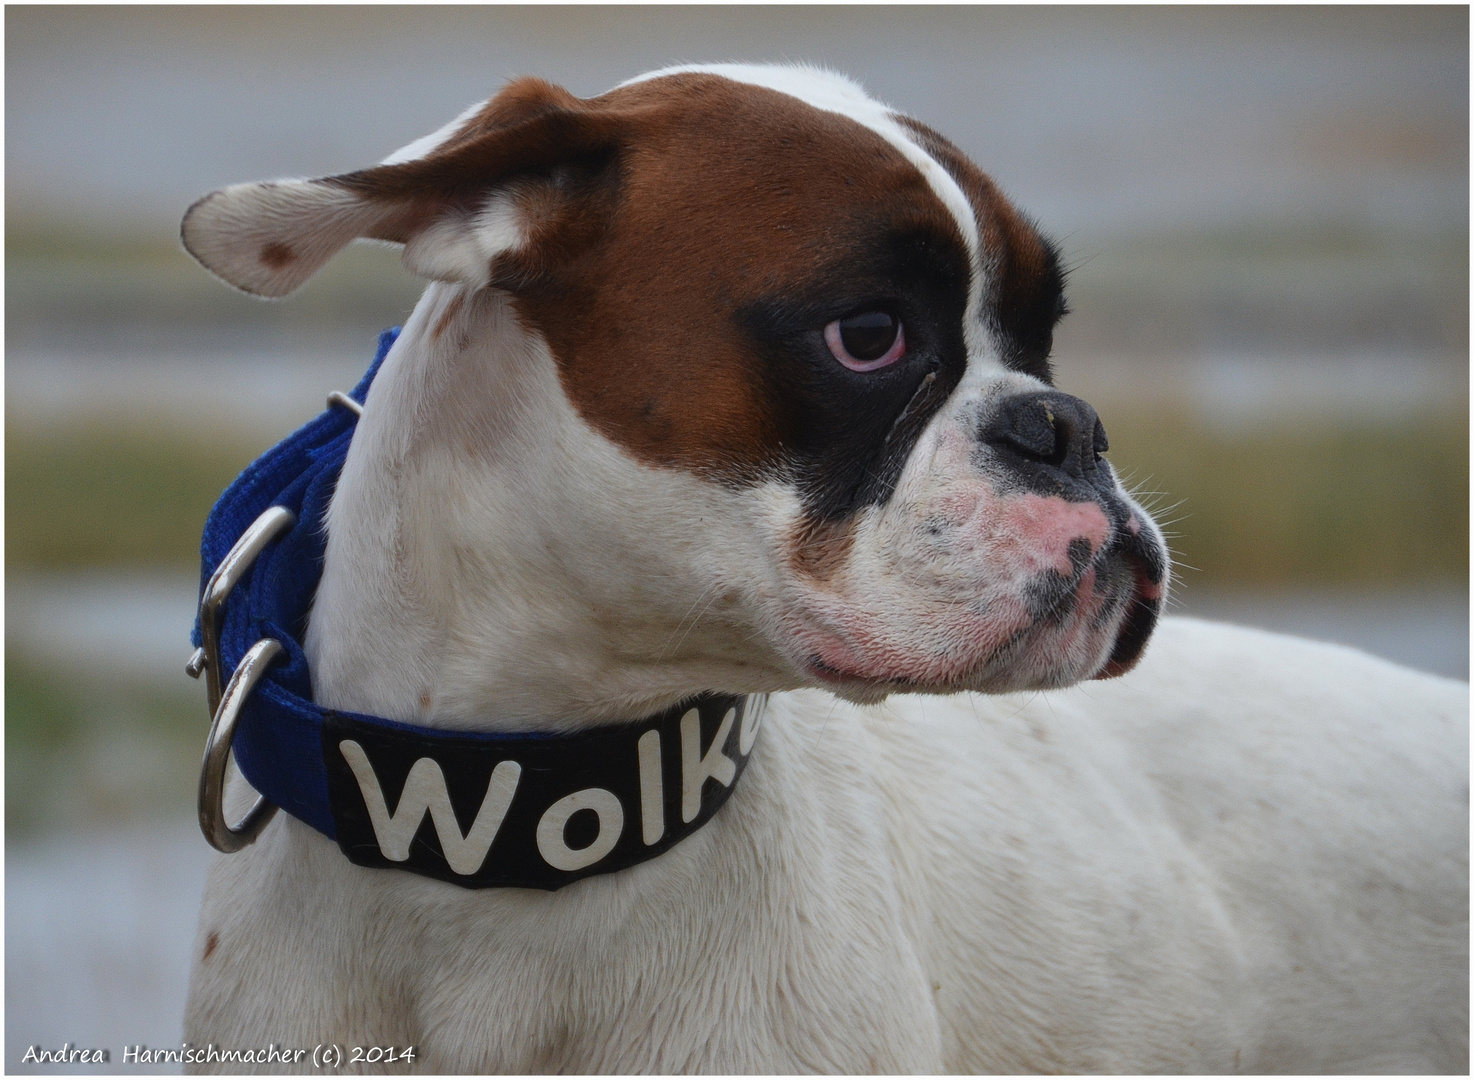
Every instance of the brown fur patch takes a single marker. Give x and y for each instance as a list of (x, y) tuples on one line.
[(277, 255), (659, 217), (714, 201), (210, 943)]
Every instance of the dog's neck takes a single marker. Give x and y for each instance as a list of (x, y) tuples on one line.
[(488, 564)]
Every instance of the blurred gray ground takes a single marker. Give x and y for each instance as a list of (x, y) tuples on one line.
[(98, 932), (1240, 181), (1265, 210)]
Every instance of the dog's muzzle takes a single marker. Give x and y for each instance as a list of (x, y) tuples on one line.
[(1051, 444)]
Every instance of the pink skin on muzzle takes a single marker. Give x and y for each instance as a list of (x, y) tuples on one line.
[(941, 640)]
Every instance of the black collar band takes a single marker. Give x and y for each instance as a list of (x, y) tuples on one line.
[(533, 811)]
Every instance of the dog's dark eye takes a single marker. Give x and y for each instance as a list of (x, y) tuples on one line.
[(867, 341)]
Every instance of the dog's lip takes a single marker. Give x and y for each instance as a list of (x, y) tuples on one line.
[(1142, 610), (816, 666)]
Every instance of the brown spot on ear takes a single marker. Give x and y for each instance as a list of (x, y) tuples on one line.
[(210, 943), (452, 309), (819, 548), (277, 255)]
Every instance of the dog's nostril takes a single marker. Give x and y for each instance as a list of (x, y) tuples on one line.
[(1051, 428), (1035, 431)]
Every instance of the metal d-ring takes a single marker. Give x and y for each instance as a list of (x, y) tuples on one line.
[(238, 560), (222, 835), (343, 401)]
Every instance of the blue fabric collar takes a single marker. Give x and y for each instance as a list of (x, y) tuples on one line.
[(480, 810)]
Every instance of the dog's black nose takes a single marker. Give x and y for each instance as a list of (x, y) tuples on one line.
[(1048, 428)]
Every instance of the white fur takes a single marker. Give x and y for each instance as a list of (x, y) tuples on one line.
[(1250, 854), (461, 247)]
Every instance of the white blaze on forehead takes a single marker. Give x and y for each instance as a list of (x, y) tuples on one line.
[(426, 143), (835, 93)]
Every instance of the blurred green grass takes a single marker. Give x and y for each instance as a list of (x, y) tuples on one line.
[(119, 497), (1366, 503), (80, 749)]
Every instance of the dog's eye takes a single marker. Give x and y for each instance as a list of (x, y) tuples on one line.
[(867, 341)]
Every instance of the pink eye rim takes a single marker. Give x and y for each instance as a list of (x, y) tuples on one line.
[(834, 338)]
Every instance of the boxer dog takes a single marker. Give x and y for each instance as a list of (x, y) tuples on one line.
[(733, 380)]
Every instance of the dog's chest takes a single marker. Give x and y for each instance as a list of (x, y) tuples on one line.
[(771, 940)]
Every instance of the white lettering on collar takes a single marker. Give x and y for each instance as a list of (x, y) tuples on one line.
[(696, 767), (555, 850), (752, 719), (652, 788), (424, 789)]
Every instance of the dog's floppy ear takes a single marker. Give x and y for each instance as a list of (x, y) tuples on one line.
[(497, 180)]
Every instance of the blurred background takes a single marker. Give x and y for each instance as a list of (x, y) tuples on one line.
[(1265, 212)]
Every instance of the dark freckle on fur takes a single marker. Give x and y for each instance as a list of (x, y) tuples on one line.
[(425, 699), (820, 548), (277, 255), (210, 943)]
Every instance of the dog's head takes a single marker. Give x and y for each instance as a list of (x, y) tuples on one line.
[(808, 343)]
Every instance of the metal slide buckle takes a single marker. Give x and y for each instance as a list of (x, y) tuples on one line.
[(238, 560), (343, 401), (225, 703)]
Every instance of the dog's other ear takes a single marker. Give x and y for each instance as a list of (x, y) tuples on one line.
[(500, 179)]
